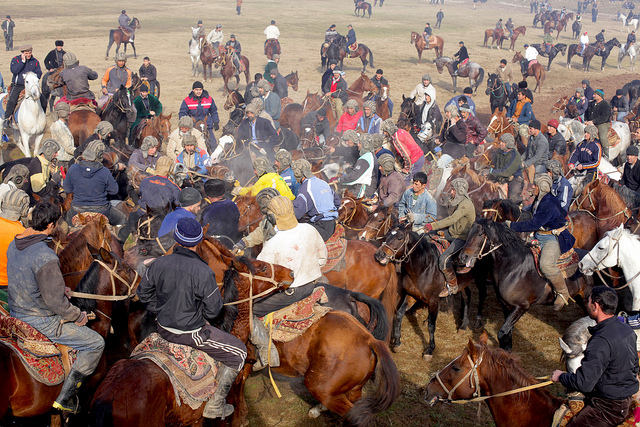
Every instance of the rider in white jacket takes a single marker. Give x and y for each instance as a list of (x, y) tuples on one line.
[(584, 42)]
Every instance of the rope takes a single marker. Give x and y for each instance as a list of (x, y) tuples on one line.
[(113, 275), (505, 393)]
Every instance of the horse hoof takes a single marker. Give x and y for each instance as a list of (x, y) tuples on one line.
[(316, 411), (427, 357)]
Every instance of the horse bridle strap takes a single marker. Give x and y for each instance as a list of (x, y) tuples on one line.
[(480, 254), (251, 277), (599, 266), (113, 275)]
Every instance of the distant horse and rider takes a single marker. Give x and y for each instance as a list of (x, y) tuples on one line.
[(119, 36)]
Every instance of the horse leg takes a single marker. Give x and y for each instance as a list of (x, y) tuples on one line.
[(237, 81), (397, 324), (316, 411), (465, 297), (135, 55), (505, 334), (431, 327), (455, 80), (419, 56), (480, 279)]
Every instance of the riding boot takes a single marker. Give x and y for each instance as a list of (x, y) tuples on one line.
[(260, 338), (451, 285), (217, 407), (562, 294), (68, 400)]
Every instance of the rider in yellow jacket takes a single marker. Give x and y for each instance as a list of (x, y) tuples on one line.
[(267, 177)]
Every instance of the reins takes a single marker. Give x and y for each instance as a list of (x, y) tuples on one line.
[(113, 274), (598, 265)]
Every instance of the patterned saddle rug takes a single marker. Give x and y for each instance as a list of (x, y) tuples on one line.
[(566, 412), (336, 248), (79, 104), (292, 321), (441, 243), (567, 263), (40, 357), (532, 62), (125, 31), (192, 372)]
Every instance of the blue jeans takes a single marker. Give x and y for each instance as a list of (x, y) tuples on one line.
[(87, 342), (584, 46)]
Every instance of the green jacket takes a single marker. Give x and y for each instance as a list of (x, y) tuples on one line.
[(506, 163), (154, 105), (267, 69), (460, 221)]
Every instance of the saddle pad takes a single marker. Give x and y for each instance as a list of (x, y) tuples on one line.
[(125, 31), (336, 248), (88, 217), (565, 413), (191, 371), (567, 263), (441, 243), (465, 62), (533, 61), (38, 354), (292, 321), (613, 137)]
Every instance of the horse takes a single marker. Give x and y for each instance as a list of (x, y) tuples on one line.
[(235, 154), (472, 70), (234, 100), (52, 86), (292, 80), (208, 55), (499, 124), (30, 120), (421, 44), (632, 91), (589, 53), (553, 52), (517, 281), (228, 70), (497, 36), (362, 6), (606, 50), (631, 52), (116, 112), (271, 48), (484, 371), (291, 117), (536, 70), (313, 102), (82, 123), (576, 29), (420, 278), (517, 32), (353, 215), (379, 225), (549, 26), (480, 188), (498, 96), (194, 50), (118, 36), (359, 87), (159, 127), (338, 50)]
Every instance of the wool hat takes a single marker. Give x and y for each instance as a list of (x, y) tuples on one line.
[(62, 110), (535, 123), (509, 140), (14, 205), (522, 85), (387, 163), (273, 22), (322, 112), (465, 107), (592, 131), (199, 22), (618, 92), (94, 151), (599, 92), (586, 82), (251, 108), (188, 232), (197, 85), (163, 165), (337, 70), (352, 103), (103, 129), (281, 208), (526, 45), (121, 56), (148, 142), (189, 196), (554, 123), (452, 109), (544, 182), (214, 187), (144, 88), (275, 56), (232, 36), (69, 60), (580, 91), (258, 103), (25, 48), (426, 77), (185, 122), (468, 91), (632, 150)]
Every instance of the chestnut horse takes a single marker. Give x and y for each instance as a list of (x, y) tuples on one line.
[(82, 123), (359, 87), (272, 47), (363, 6), (208, 55), (159, 127), (313, 102), (589, 53), (497, 36), (291, 118), (517, 32), (536, 70), (224, 60), (421, 44), (353, 215), (118, 37)]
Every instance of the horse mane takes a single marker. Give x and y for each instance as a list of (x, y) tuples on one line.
[(508, 238), (89, 285), (230, 289), (76, 247), (477, 179), (610, 196), (510, 208), (224, 251)]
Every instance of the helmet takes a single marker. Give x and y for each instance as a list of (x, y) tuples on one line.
[(370, 104), (262, 166), (389, 127), (544, 182), (103, 129), (284, 158), (352, 103), (49, 148), (280, 211), (264, 85), (94, 151), (14, 205), (18, 175), (121, 56), (555, 167), (366, 144), (378, 140), (69, 60), (148, 142), (264, 196), (185, 122), (62, 110), (351, 135), (301, 168), (188, 139), (387, 162)]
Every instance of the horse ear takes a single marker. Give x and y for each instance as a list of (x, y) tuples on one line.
[(92, 250), (105, 255), (564, 346), (473, 351), (169, 116), (617, 232), (484, 338), (205, 229), (81, 218)]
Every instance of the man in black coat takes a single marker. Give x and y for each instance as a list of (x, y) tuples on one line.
[(20, 65), (631, 173), (460, 56), (54, 59), (259, 132), (608, 373), (280, 86)]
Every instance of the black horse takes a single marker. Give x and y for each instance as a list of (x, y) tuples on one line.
[(576, 27), (555, 49), (632, 91), (517, 282), (589, 53), (606, 51), (498, 96), (119, 112)]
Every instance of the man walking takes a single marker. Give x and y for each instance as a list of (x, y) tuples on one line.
[(7, 29)]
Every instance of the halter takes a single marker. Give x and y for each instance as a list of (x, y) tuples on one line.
[(492, 247), (385, 225), (251, 277), (593, 205), (496, 215), (113, 275), (353, 213), (147, 222), (500, 88), (599, 267), (502, 128), (404, 245), (246, 229), (232, 153)]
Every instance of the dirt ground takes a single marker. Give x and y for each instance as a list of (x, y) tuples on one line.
[(84, 27)]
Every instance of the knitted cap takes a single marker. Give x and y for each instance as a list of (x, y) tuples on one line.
[(69, 60), (197, 85), (632, 150), (599, 92), (189, 196), (188, 232), (554, 123), (465, 108), (535, 123), (322, 112), (185, 122)]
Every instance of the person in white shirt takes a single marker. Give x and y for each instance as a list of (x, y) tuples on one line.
[(271, 33), (584, 42), (423, 88), (530, 53), (216, 37)]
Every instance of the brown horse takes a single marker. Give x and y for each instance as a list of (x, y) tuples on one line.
[(379, 225), (480, 188), (517, 32), (159, 127), (250, 215), (497, 36), (208, 55), (118, 37), (234, 99), (228, 70), (421, 44), (353, 215), (358, 89), (271, 48), (382, 102), (485, 371), (313, 102), (292, 80), (21, 394), (291, 117), (82, 123), (536, 70), (363, 6), (499, 124), (589, 53), (338, 50), (560, 104)]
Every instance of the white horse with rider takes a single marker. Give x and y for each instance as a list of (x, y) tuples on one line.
[(632, 52), (31, 121)]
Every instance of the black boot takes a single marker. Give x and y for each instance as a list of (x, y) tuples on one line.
[(217, 407), (68, 400)]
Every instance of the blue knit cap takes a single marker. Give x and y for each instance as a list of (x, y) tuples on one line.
[(188, 232)]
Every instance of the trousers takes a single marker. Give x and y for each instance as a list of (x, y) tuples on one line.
[(549, 255), (600, 412), (282, 299), (13, 100), (446, 259), (114, 215)]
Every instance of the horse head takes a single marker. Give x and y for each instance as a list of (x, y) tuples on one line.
[(395, 245), (31, 86), (194, 33), (225, 142)]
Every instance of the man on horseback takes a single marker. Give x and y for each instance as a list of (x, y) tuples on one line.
[(619, 106), (17, 177), (380, 81), (557, 144), (148, 74), (509, 27), (547, 41), (181, 290), (422, 89), (507, 168), (44, 175), (318, 120), (147, 107), (330, 36), (115, 76), (600, 39), (631, 172), (14, 208), (549, 225), (349, 119), (350, 39), (76, 77), (189, 200), (215, 38), (271, 33), (537, 153), (587, 155), (20, 65), (498, 25), (272, 104), (54, 58), (521, 113), (267, 177), (280, 85), (584, 42), (439, 18), (199, 105), (369, 122), (608, 372), (185, 126), (272, 63), (258, 132), (222, 214), (146, 157), (417, 206), (336, 88), (123, 21), (427, 33), (460, 56), (599, 114), (283, 166), (505, 75), (193, 158), (62, 135), (631, 40), (580, 102), (362, 178), (530, 54), (261, 234), (38, 296), (234, 49), (391, 187), (561, 188)]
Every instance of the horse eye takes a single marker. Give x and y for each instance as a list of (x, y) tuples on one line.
[(143, 251), (455, 368)]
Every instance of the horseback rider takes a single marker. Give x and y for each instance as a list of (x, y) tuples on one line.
[(537, 153), (350, 39), (272, 104), (318, 120), (530, 54), (14, 208), (222, 214), (600, 39), (39, 297), (17, 177), (498, 25), (561, 188), (316, 200), (44, 175), (265, 229), (20, 65), (280, 85), (258, 132), (631, 39), (215, 38), (349, 119), (76, 77), (580, 102), (391, 187), (550, 227), (272, 63), (147, 107), (181, 290), (619, 106), (588, 90), (362, 178), (185, 126), (507, 168), (547, 40), (235, 51), (422, 89), (587, 155), (380, 81), (462, 214), (476, 131), (271, 33), (599, 114), (631, 173), (509, 27), (460, 56), (193, 158), (189, 201), (54, 58), (330, 35), (283, 166), (326, 76), (267, 177), (258, 103), (146, 157), (101, 133), (123, 21), (608, 374), (62, 135), (506, 76), (115, 76), (199, 105), (369, 122), (427, 33), (520, 113), (201, 33), (148, 73), (336, 88), (557, 144), (584, 42), (416, 205)]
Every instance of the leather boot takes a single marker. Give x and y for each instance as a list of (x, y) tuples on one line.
[(451, 286), (562, 294), (260, 338), (68, 400), (217, 407)]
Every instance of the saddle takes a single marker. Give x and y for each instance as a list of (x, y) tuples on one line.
[(353, 48), (441, 243), (290, 322), (533, 61), (137, 130), (192, 372), (6, 98), (40, 357), (285, 101), (567, 411), (79, 104), (336, 248), (125, 31), (567, 263)]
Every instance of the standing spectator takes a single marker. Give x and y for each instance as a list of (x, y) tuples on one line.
[(148, 73), (594, 12), (599, 115), (222, 214), (201, 106), (76, 77), (439, 17), (579, 6), (619, 106), (7, 29), (20, 65), (238, 6)]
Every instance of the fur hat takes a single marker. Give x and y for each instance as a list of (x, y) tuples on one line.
[(586, 82), (94, 151), (389, 127), (49, 148), (453, 109), (555, 167), (275, 56), (426, 77), (214, 188), (148, 142), (189, 196), (321, 112), (509, 140), (163, 165), (370, 104), (121, 56), (258, 103), (103, 129), (251, 108), (18, 175), (189, 139), (14, 205), (261, 166), (580, 91), (185, 122), (544, 182), (462, 187), (387, 163), (264, 85), (59, 43), (592, 131), (188, 231), (281, 208), (69, 60)]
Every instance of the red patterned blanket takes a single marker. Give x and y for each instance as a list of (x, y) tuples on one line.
[(567, 263), (336, 248), (37, 353), (192, 372), (291, 322)]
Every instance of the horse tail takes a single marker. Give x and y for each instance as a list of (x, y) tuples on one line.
[(370, 56), (102, 412), (480, 77), (363, 411), (378, 321), (369, 9)]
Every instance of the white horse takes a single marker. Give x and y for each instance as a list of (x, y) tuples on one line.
[(632, 55), (617, 248), (622, 17), (31, 120), (619, 151), (633, 23), (194, 50)]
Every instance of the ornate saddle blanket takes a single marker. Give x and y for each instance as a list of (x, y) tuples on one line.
[(567, 263), (87, 217), (192, 372), (441, 243), (285, 101), (533, 61), (291, 322), (613, 137), (38, 354), (337, 248), (79, 104), (6, 98), (566, 412), (354, 46), (137, 130)]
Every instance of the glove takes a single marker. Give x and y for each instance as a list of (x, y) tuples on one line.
[(52, 169), (216, 126), (507, 223), (236, 191), (428, 226), (411, 217), (150, 170)]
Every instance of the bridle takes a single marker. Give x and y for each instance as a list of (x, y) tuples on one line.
[(500, 88), (593, 206), (502, 128), (495, 212), (599, 266), (402, 247), (492, 247), (113, 274), (380, 231), (351, 214), (147, 223), (255, 221)]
